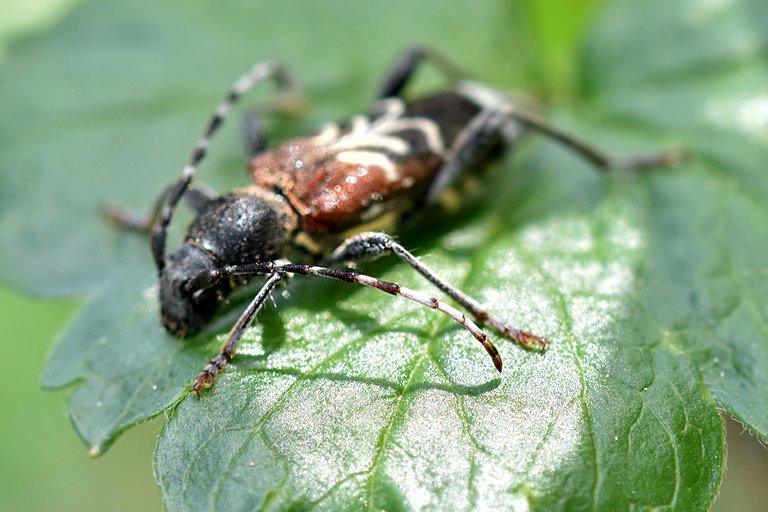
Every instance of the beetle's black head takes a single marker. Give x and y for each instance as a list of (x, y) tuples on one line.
[(185, 305), (234, 229)]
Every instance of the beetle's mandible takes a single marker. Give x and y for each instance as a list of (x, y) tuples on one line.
[(313, 199)]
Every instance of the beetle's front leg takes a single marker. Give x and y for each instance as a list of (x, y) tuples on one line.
[(228, 349), (373, 244), (278, 270)]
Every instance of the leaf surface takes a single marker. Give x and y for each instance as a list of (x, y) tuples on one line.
[(651, 288)]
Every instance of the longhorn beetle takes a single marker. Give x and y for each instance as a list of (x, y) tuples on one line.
[(314, 196)]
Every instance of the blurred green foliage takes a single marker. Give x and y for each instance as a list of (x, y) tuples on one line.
[(43, 464)]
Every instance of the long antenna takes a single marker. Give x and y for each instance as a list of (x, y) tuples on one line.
[(259, 73)]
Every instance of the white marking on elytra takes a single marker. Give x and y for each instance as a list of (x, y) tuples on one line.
[(372, 140), (329, 133), (370, 143), (370, 159)]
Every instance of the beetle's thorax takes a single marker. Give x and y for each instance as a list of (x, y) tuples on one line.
[(242, 227)]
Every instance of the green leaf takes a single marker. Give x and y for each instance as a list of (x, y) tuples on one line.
[(706, 276), (651, 288)]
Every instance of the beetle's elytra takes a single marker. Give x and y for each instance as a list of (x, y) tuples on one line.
[(312, 200)]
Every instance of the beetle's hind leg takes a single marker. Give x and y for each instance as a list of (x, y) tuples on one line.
[(503, 122), (373, 244), (599, 158)]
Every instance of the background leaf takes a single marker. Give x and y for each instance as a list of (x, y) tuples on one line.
[(706, 271), (342, 399)]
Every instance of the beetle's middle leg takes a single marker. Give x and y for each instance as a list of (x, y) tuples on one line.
[(252, 127), (372, 244), (196, 197)]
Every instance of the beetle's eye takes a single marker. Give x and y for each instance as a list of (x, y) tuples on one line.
[(200, 283), (196, 285), (187, 288)]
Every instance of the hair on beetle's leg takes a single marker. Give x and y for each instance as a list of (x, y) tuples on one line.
[(206, 377), (257, 74), (481, 314), (372, 244), (594, 155)]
